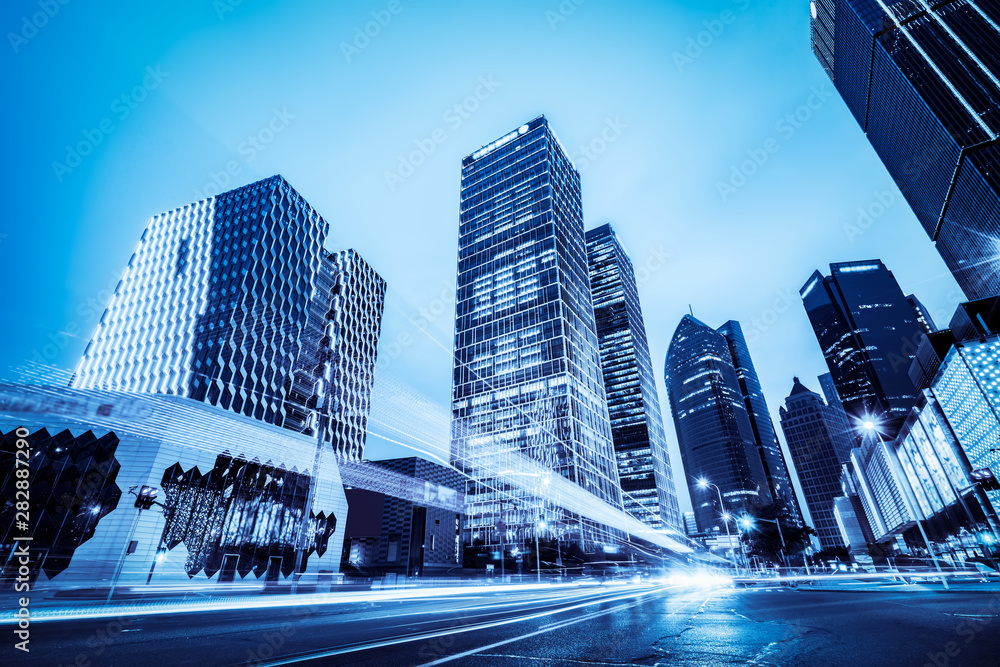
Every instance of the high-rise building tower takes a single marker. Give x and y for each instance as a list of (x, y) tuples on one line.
[(636, 422), (234, 301), (868, 333), (527, 373), (923, 316), (775, 469), (923, 81), (713, 428), (819, 443)]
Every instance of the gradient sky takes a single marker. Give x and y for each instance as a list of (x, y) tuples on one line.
[(683, 90)]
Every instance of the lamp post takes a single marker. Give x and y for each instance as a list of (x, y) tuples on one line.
[(538, 558), (704, 484)]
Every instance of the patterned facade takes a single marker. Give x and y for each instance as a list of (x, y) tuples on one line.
[(779, 482), (232, 491), (527, 374), (923, 81), (233, 301), (713, 428), (633, 404)]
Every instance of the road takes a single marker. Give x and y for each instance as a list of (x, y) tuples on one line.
[(626, 625)]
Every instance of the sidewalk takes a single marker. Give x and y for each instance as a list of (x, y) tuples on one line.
[(925, 585)]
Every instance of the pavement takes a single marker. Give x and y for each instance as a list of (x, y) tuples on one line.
[(549, 626)]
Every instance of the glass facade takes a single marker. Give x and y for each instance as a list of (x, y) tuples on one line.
[(868, 333), (922, 82), (819, 441), (713, 428), (527, 374), (633, 404), (775, 468), (231, 301), (968, 391)]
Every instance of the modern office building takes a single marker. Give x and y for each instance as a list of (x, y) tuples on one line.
[(923, 316), (713, 428), (232, 493), (819, 442), (779, 482), (647, 481), (346, 319), (868, 333), (234, 301), (402, 534), (923, 82), (527, 373)]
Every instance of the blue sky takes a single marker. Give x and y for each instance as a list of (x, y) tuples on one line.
[(664, 106)]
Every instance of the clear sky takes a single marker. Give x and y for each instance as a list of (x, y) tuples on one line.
[(118, 111)]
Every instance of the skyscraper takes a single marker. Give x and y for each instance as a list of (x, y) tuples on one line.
[(234, 301), (923, 316), (923, 82), (775, 469), (819, 442), (636, 423), (527, 373), (713, 428), (868, 333)]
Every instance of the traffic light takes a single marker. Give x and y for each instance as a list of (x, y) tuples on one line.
[(146, 497), (985, 479)]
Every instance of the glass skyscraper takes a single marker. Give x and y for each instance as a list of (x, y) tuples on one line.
[(234, 301), (636, 422), (775, 469), (527, 372), (713, 428), (819, 441), (923, 82), (868, 333)]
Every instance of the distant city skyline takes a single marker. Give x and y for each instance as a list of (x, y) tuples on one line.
[(176, 109)]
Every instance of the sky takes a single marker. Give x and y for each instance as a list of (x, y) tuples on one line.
[(705, 132)]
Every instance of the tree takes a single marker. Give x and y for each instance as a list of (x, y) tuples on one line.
[(763, 539)]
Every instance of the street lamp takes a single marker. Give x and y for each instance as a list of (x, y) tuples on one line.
[(704, 484)]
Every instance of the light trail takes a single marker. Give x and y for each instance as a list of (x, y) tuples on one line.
[(296, 601), (404, 639)]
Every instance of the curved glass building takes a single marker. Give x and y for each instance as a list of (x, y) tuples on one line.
[(713, 427)]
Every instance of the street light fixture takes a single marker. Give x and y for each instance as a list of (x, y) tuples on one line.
[(704, 484)]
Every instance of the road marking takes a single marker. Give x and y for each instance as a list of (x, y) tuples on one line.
[(469, 628), (535, 633)]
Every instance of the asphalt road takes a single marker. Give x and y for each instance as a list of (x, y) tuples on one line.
[(585, 626)]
